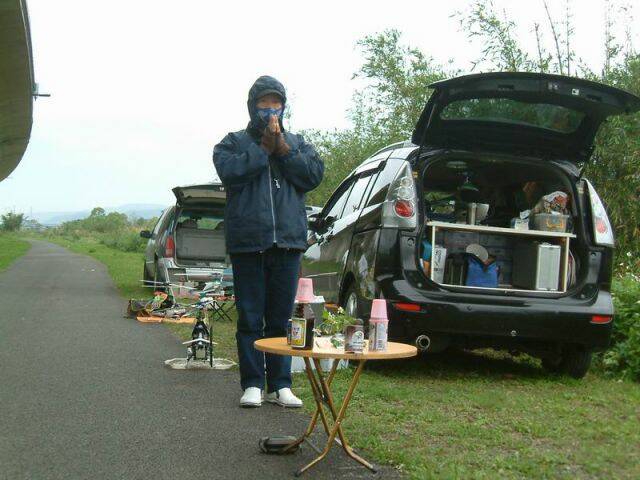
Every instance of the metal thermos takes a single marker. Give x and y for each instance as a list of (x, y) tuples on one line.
[(471, 213)]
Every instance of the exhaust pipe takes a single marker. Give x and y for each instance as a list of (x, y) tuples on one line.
[(423, 342)]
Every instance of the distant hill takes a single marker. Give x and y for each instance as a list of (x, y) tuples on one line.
[(133, 210)]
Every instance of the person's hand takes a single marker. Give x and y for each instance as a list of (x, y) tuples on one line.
[(270, 135), (282, 147)]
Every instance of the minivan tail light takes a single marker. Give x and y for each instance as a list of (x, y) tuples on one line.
[(600, 319), (602, 231), (399, 207), (170, 247), (404, 208), (407, 307)]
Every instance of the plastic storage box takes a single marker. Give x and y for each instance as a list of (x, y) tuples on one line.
[(548, 222), (536, 266)]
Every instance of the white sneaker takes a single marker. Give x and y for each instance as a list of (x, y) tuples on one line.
[(251, 398), (285, 398)]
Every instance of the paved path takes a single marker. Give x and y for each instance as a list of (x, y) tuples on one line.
[(84, 393)]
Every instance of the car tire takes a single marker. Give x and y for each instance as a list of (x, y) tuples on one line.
[(576, 362), (552, 364), (145, 276), (157, 279), (351, 302)]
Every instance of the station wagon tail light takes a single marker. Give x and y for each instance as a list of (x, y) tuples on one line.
[(601, 319), (170, 247), (602, 231), (399, 207)]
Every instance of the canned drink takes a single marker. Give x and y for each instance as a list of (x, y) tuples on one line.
[(302, 333), (289, 332), (354, 338)]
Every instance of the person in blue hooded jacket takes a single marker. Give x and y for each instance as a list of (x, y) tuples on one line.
[(266, 172)]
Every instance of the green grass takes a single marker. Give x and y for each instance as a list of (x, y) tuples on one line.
[(484, 415), (11, 248), (465, 415)]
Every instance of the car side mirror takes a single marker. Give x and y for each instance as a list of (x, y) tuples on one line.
[(313, 221), (145, 234), (330, 220)]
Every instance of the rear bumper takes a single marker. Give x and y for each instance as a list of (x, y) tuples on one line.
[(177, 274), (551, 321)]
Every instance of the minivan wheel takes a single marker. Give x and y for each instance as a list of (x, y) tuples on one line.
[(576, 362), (552, 364)]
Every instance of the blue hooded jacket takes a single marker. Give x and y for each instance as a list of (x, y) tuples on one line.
[(265, 194)]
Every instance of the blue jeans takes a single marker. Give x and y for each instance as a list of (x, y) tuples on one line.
[(265, 286)]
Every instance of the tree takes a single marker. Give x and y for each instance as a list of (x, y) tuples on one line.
[(397, 76), (12, 222)]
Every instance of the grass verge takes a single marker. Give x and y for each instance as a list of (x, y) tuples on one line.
[(463, 415), (11, 248)]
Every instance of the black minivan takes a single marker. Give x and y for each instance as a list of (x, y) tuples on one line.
[(398, 226)]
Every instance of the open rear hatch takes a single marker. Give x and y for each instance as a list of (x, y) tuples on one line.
[(550, 116), (204, 195), (199, 230), (495, 140)]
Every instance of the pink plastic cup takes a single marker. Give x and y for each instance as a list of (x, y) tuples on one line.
[(305, 291), (379, 309)]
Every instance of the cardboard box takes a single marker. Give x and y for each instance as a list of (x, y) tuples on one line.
[(438, 259)]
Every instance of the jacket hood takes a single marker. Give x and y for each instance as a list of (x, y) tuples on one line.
[(262, 86)]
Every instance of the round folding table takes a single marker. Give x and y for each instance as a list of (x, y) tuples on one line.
[(321, 388)]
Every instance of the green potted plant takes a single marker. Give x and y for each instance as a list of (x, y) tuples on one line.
[(333, 325)]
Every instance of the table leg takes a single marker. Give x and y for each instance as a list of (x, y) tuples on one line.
[(322, 386), (329, 396), (317, 396)]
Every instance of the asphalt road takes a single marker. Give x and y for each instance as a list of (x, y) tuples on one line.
[(84, 393)]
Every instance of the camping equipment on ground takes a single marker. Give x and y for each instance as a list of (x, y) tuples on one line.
[(480, 273), (160, 300), (200, 341), (354, 337), (303, 321), (536, 266), (378, 325)]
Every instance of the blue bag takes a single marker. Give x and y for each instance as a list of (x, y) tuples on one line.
[(481, 275)]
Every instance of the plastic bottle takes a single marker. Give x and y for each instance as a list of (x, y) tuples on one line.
[(378, 326), (303, 321)]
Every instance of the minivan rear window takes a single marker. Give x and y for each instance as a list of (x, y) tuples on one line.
[(506, 110)]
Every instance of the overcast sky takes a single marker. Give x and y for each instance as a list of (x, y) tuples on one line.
[(143, 90)]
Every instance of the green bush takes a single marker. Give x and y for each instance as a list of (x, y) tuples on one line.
[(127, 241), (623, 358), (113, 230)]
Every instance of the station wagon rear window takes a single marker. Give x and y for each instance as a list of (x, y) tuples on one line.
[(506, 110), (197, 219)]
